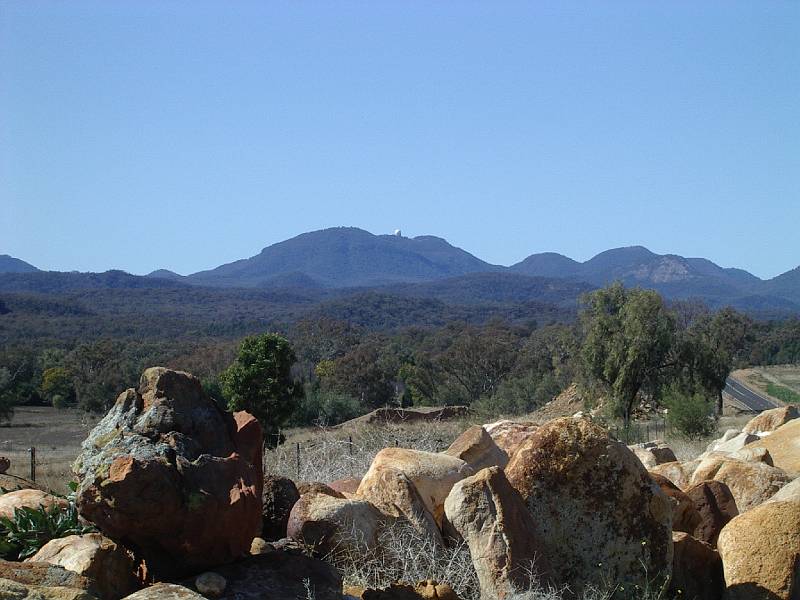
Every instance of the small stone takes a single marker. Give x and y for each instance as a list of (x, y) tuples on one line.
[(210, 584), (261, 546)]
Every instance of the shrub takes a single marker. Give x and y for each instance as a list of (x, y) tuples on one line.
[(690, 414), (326, 407)]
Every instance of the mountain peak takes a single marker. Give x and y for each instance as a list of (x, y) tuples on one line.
[(9, 264)]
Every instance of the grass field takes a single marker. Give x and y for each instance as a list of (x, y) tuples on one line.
[(781, 382)]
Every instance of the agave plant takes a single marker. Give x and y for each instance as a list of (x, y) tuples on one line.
[(29, 529)]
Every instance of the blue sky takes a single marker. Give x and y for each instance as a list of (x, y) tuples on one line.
[(140, 135)]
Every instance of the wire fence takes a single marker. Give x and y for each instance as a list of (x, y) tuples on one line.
[(639, 433)]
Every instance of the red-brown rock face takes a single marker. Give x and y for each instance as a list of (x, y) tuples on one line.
[(170, 474)]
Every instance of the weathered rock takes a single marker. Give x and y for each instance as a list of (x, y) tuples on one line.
[(709, 465), (685, 517), (716, 506), (653, 454), (317, 487), (760, 552), (330, 524), (594, 504), (751, 483), (280, 575), (732, 443), (791, 491), (96, 557), (277, 500), (677, 472), (11, 590), (28, 498), (13, 482), (784, 447), (500, 532), (477, 448), (348, 485), (769, 420), (165, 591), (171, 474), (748, 454), (261, 546), (510, 435), (696, 569), (44, 575), (394, 494), (211, 585), (432, 474)]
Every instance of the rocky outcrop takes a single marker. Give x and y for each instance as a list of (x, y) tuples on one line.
[(684, 516), (784, 447), (433, 475), (172, 476), (503, 541), (716, 506), (277, 499), (329, 524), (653, 453), (510, 435), (760, 552), (696, 569), (770, 420), (477, 448), (594, 504), (96, 557), (28, 498)]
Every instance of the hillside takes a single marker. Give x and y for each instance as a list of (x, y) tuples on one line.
[(9, 264), (348, 257)]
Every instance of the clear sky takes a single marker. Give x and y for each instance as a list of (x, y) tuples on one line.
[(183, 135)]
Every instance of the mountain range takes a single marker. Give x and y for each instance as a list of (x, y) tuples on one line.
[(343, 258)]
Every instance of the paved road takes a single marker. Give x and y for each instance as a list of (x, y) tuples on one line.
[(748, 397)]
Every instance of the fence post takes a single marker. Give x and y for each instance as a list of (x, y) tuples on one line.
[(33, 464), (350, 445), (297, 456)]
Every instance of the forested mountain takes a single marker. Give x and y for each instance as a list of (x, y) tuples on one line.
[(9, 264)]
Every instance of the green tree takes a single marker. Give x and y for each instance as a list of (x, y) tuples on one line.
[(260, 381), (57, 383), (6, 394), (629, 335)]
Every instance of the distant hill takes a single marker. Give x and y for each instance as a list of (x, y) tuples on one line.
[(164, 274), (51, 282), (9, 264), (348, 257), (786, 285)]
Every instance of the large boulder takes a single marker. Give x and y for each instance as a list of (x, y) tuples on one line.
[(732, 441), (784, 447), (510, 435), (791, 491), (751, 483), (477, 448), (769, 420), (679, 473), (96, 557), (277, 499), (685, 517), (170, 474), (432, 474), (653, 453), (716, 506), (594, 504), (395, 495), (760, 552), (500, 532), (696, 569), (329, 524), (28, 498)]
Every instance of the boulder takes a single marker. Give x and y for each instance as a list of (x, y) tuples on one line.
[(277, 499), (28, 498), (165, 591), (769, 420), (261, 546), (716, 506), (750, 483), (502, 537), (210, 584), (653, 453), (791, 491), (394, 494), (677, 472), (696, 569), (748, 454), (348, 485), (760, 552), (594, 504), (509, 435), (685, 517), (13, 482), (94, 556), (708, 467), (12, 590), (477, 448), (44, 576), (784, 447), (432, 474), (329, 524), (169, 473), (732, 441)]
